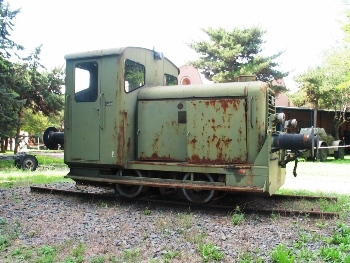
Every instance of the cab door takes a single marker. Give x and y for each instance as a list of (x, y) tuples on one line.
[(85, 112)]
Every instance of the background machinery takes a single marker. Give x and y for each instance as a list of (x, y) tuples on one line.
[(327, 145)]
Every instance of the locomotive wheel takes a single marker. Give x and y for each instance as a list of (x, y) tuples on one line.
[(29, 162), (198, 196), (129, 190)]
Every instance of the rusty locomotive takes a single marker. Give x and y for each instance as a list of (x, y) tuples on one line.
[(129, 125)]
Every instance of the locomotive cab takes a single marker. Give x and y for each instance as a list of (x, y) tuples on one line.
[(129, 125), (100, 109)]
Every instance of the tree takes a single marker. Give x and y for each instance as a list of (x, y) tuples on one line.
[(8, 101), (40, 91), (24, 85), (229, 54), (338, 81), (312, 90), (35, 124), (6, 25)]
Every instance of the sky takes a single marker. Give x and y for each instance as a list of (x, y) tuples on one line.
[(303, 29)]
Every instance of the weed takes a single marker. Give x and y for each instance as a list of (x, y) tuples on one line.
[(282, 254), (146, 212), (2, 221), (97, 259), (274, 216), (131, 255), (47, 254), (78, 254), (102, 204), (194, 237), (210, 252), (113, 259), (303, 237), (321, 224), (249, 258), (170, 255), (237, 216), (4, 242), (341, 234), (185, 221), (331, 254)]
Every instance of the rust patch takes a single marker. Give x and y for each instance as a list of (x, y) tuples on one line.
[(155, 143), (250, 178), (241, 171), (121, 136), (128, 144), (193, 142), (198, 160), (156, 157), (225, 104)]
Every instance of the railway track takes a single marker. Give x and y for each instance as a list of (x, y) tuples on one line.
[(284, 205)]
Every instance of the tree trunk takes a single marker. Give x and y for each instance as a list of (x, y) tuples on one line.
[(2, 150), (18, 132), (315, 116), (6, 143)]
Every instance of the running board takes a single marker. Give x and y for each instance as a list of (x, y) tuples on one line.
[(168, 183)]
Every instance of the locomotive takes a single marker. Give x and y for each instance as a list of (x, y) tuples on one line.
[(130, 126)]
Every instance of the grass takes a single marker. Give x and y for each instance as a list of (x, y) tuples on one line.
[(26, 178), (11, 176), (209, 252), (43, 160)]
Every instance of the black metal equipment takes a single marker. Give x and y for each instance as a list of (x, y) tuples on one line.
[(53, 138), (22, 160)]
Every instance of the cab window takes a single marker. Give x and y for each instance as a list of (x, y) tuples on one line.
[(134, 75), (170, 80), (86, 81)]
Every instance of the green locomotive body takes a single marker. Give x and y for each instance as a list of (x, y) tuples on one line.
[(128, 124)]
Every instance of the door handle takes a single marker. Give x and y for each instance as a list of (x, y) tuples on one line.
[(67, 112), (102, 111)]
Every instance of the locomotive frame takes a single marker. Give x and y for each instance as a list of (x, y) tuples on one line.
[(127, 125)]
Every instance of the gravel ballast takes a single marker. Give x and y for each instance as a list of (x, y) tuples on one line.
[(111, 228)]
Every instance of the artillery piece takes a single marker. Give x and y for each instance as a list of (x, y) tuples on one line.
[(326, 145)]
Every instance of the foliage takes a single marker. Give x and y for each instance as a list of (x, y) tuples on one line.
[(8, 102), (47, 254), (237, 216), (282, 254), (23, 85), (210, 252), (6, 24), (35, 124), (312, 90), (338, 81), (328, 86), (41, 90), (131, 255), (229, 54)]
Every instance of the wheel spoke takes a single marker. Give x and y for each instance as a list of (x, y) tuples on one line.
[(127, 190), (198, 196)]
